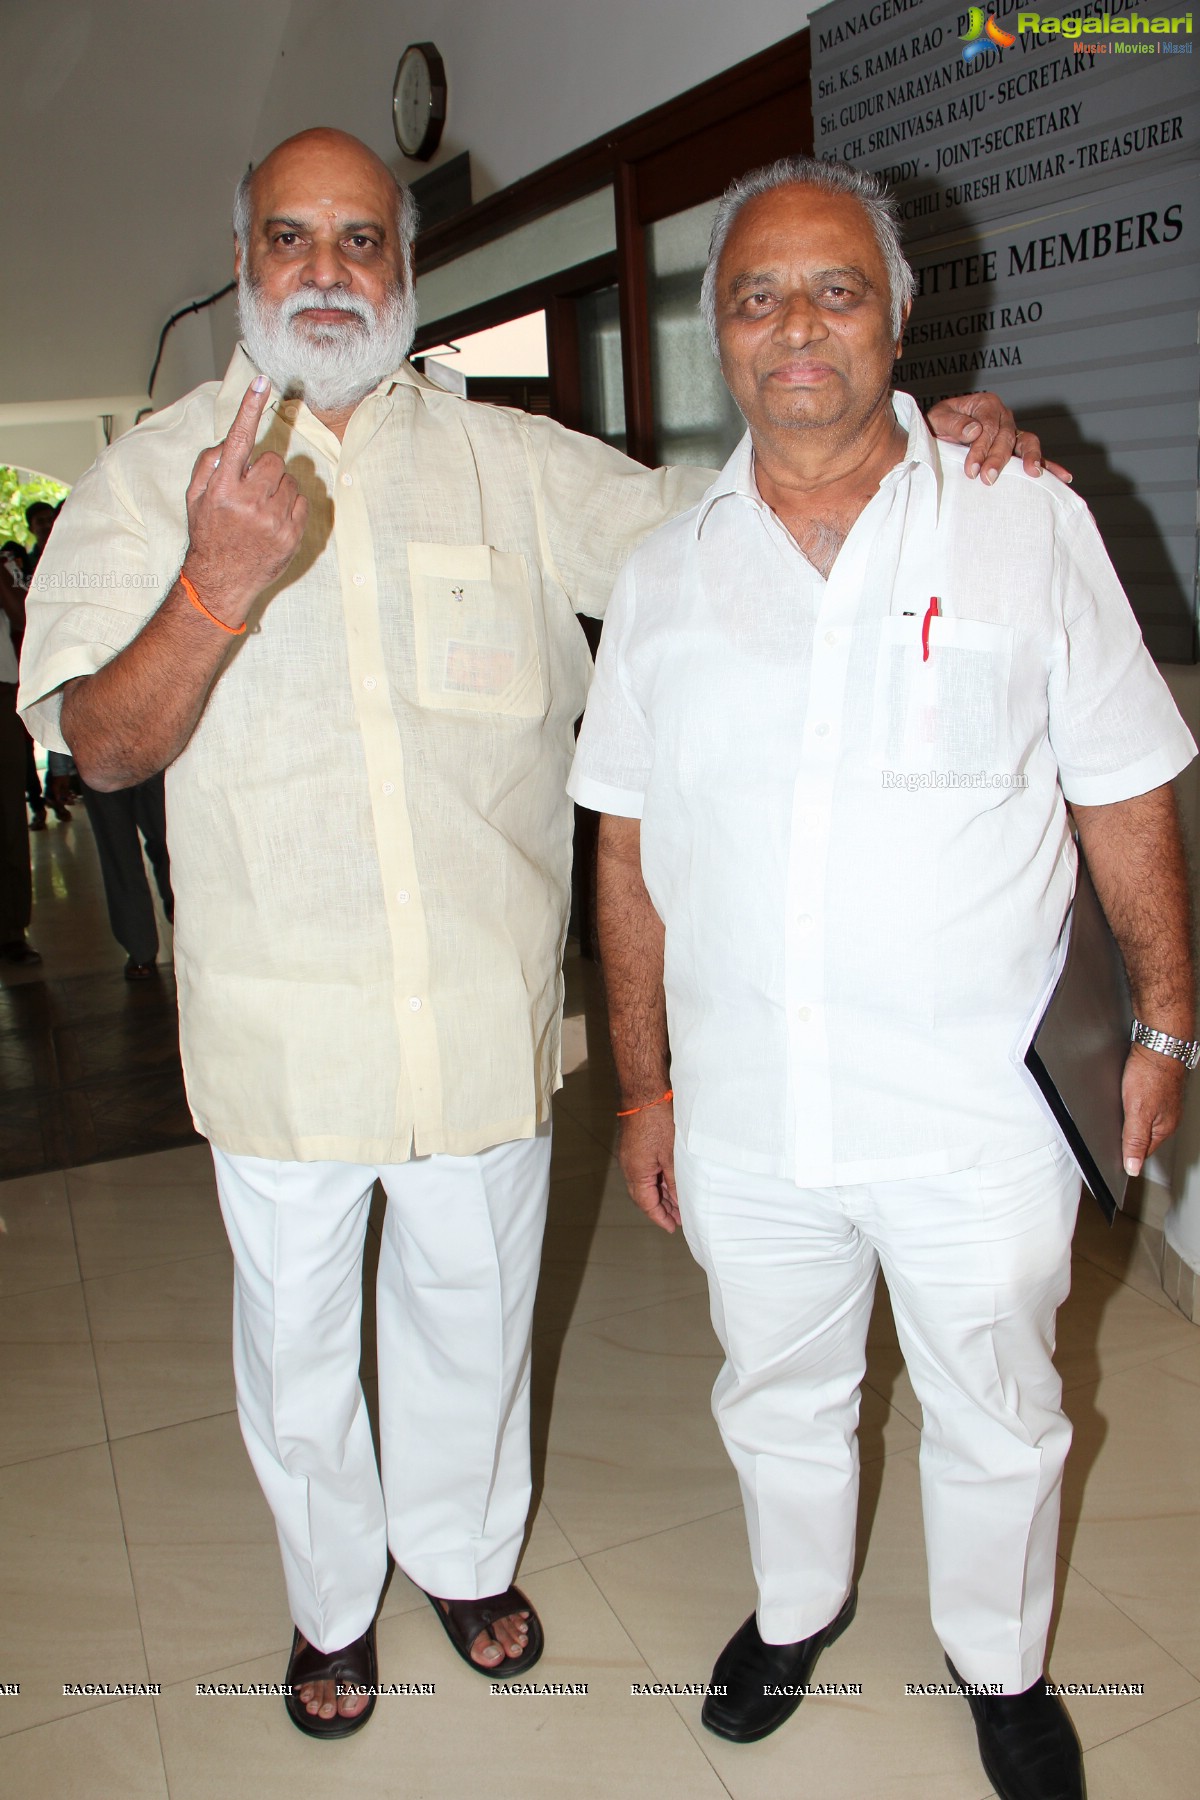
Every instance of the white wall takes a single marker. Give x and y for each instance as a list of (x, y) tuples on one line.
[(126, 124), (529, 79)]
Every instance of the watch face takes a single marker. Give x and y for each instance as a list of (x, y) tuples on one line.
[(411, 101)]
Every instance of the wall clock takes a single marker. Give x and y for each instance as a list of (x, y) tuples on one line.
[(419, 101)]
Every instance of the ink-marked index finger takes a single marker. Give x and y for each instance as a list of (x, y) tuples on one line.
[(239, 439)]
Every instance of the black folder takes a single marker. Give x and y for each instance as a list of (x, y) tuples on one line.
[(1079, 1045)]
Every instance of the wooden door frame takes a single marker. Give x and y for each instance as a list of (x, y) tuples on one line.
[(669, 158), (555, 295)]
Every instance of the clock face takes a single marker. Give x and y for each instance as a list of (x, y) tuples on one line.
[(419, 101)]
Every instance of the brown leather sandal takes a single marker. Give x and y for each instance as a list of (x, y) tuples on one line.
[(352, 1666), (463, 1620)]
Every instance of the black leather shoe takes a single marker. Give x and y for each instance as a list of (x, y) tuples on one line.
[(765, 1683), (1027, 1743)]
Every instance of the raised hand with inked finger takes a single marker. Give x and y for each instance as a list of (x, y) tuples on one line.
[(246, 517)]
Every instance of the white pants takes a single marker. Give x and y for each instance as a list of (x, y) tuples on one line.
[(458, 1268), (977, 1264)]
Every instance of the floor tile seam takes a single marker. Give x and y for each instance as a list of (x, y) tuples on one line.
[(1141, 1360), (585, 1127), (892, 1406), (62, 1168), (133, 1591), (699, 1740), (77, 1173), (606, 1318), (91, 1337), (624, 1312), (23, 1462), (166, 1262), (643, 1537), (1144, 1725), (92, 1703), (162, 1755), (1161, 1300), (50, 1287), (1110, 1600), (626, 1632), (1141, 1233), (223, 1253), (706, 1751), (129, 1437)]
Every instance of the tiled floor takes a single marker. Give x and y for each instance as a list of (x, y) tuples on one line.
[(89, 1062), (135, 1547)]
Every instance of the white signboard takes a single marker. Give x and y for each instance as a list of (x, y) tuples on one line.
[(1046, 170)]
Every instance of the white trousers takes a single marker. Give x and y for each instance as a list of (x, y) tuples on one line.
[(458, 1267), (977, 1264)]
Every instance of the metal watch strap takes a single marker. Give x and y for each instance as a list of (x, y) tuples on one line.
[(1184, 1051)]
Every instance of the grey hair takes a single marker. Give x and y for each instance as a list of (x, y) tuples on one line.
[(829, 178), (407, 219)]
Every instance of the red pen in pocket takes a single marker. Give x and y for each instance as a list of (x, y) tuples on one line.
[(934, 612)]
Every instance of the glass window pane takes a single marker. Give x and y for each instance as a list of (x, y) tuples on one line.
[(573, 234), (601, 380), (695, 421)]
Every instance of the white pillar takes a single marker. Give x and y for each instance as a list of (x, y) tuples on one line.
[(1182, 1224)]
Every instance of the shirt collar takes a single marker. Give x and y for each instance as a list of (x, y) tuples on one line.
[(920, 452), (241, 373)]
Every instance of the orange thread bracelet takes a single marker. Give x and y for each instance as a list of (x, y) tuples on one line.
[(661, 1101), (197, 602)]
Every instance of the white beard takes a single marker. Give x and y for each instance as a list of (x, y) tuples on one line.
[(330, 366)]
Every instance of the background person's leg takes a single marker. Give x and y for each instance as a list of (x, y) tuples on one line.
[(16, 886), (150, 810), (113, 819)]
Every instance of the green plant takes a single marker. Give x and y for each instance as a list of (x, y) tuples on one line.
[(16, 494)]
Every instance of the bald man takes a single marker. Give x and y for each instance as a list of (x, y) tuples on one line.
[(339, 610)]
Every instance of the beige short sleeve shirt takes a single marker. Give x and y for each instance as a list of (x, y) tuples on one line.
[(370, 838)]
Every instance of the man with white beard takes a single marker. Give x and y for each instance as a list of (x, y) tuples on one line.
[(362, 683)]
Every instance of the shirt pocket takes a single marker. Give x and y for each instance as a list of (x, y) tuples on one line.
[(474, 631), (945, 712)]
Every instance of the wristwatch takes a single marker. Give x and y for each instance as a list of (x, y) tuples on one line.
[(1188, 1053)]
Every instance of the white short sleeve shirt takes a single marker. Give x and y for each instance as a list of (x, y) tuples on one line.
[(853, 804)]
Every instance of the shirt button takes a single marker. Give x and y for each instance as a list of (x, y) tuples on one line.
[(403, 897), (389, 787), (360, 580), (804, 920), (831, 637), (822, 729), (414, 1004), (347, 481), (369, 683), (804, 1014)]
